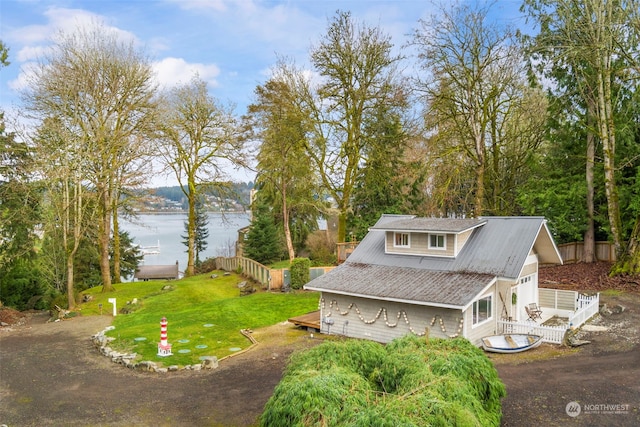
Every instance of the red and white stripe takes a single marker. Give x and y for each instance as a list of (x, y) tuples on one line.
[(163, 331)]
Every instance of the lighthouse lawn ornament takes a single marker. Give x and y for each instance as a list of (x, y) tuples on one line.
[(164, 348)]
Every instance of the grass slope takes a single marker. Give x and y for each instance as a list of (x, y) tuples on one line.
[(204, 316)]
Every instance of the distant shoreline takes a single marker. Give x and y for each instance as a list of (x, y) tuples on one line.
[(155, 212)]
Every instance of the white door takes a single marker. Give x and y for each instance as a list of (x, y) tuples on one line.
[(526, 293)]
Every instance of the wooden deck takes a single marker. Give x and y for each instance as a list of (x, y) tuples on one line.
[(309, 320)]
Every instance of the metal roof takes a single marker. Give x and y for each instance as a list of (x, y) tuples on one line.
[(446, 225), (497, 248)]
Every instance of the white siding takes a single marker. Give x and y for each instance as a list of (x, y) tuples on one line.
[(365, 318)]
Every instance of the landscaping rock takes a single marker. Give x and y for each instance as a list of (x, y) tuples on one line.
[(147, 366), (618, 309), (604, 311), (245, 288), (209, 362)]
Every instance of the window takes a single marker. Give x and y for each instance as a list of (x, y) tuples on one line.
[(401, 240), (437, 241), (482, 310)]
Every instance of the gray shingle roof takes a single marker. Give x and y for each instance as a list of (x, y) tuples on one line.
[(403, 284), (497, 248)]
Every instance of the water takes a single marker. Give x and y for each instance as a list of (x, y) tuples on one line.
[(163, 233)]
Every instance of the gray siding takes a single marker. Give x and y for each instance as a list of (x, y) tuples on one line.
[(419, 245), (529, 269), (489, 328), (462, 239), (365, 318)]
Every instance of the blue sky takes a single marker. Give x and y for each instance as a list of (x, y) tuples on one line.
[(231, 44)]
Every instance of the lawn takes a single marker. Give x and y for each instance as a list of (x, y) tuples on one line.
[(204, 315)]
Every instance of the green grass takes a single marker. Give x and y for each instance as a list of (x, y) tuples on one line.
[(281, 264), (206, 312)]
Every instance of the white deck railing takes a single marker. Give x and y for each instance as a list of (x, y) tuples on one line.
[(585, 307), (551, 334)]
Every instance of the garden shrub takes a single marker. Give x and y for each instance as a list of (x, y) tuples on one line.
[(299, 272), (408, 382)]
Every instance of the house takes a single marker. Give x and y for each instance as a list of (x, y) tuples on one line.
[(157, 272), (441, 276)]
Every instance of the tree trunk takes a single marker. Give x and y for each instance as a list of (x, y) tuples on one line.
[(71, 298), (191, 229), (608, 148), (285, 220), (116, 245), (629, 261), (104, 235), (588, 253)]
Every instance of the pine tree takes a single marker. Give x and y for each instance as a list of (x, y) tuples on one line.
[(201, 231), (262, 243)]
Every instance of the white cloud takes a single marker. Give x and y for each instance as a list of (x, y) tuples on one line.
[(31, 53), (176, 71), (21, 81), (215, 5)]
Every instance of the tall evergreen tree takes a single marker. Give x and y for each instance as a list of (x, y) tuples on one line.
[(262, 242), (201, 231)]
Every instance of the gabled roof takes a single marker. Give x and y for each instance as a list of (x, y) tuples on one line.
[(401, 284), (497, 248), (433, 225)]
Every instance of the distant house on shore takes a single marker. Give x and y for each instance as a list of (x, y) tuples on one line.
[(157, 272)]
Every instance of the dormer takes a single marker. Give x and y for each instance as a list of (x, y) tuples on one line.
[(438, 237)]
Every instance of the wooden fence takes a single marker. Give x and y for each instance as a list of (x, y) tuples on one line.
[(272, 279), (572, 252)]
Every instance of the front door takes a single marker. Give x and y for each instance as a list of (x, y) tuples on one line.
[(526, 293)]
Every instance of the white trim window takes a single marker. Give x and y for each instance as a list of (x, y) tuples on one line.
[(482, 310), (437, 241), (401, 240)]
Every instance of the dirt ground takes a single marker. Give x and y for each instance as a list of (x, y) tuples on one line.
[(51, 375)]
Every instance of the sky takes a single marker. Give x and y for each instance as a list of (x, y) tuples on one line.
[(230, 44)]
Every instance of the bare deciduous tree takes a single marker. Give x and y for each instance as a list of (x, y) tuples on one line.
[(101, 90), (481, 113), (199, 140)]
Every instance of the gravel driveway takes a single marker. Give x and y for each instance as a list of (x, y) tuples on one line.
[(51, 375)]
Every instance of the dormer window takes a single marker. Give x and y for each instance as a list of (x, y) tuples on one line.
[(401, 240), (437, 241)]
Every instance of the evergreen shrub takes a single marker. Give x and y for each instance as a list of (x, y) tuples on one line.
[(299, 272), (407, 382)]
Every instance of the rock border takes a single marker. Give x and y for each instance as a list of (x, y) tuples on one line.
[(101, 342)]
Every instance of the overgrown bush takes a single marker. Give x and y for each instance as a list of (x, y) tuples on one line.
[(407, 382), (206, 266), (322, 248), (20, 281), (299, 272)]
